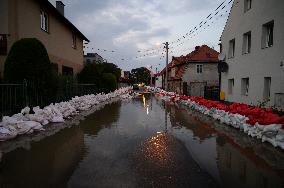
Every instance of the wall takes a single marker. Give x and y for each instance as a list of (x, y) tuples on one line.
[(24, 22), (209, 74), (260, 62)]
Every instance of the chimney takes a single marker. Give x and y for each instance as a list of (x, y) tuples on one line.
[(60, 7), (196, 48)]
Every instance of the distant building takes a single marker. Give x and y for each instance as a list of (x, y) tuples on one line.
[(252, 45), (92, 58), (40, 19), (191, 73)]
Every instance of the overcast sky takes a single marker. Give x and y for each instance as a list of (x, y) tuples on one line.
[(129, 26)]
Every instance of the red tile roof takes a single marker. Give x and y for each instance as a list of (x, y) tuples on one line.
[(202, 54)]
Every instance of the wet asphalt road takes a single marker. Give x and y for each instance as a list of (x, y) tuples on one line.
[(144, 143)]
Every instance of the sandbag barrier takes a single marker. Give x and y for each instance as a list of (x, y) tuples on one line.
[(260, 123), (27, 123)]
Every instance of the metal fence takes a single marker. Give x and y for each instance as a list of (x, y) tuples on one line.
[(14, 97), (212, 92)]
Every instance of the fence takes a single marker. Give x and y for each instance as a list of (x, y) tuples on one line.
[(212, 92), (14, 97)]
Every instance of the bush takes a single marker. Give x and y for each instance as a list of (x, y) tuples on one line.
[(28, 60), (109, 82)]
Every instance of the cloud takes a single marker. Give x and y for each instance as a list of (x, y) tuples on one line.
[(126, 26)]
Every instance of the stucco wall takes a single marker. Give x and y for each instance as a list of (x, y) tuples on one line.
[(24, 22), (260, 62), (209, 74)]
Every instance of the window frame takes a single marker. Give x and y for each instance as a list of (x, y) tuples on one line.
[(199, 68), (267, 88), (232, 48), (74, 41), (247, 5), (267, 37), (231, 84), (246, 43), (44, 21), (245, 86)]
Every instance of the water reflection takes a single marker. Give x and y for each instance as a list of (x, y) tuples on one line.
[(231, 163), (103, 118), (49, 163), (145, 143), (240, 168)]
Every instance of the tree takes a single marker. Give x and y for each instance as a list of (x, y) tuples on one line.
[(104, 75), (140, 75), (28, 60)]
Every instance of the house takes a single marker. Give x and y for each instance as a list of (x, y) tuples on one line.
[(92, 58), (252, 46), (40, 19), (191, 73)]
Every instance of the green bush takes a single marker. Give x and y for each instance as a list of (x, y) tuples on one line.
[(28, 60), (109, 82)]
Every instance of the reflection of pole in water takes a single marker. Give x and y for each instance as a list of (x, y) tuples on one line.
[(166, 120)]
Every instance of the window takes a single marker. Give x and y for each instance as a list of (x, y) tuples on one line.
[(199, 69), (266, 89), (67, 71), (173, 72), (43, 20), (267, 34), (245, 86), (247, 5), (231, 83), (74, 42), (247, 43), (231, 48), (3, 44)]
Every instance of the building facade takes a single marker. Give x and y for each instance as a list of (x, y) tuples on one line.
[(92, 58), (252, 46), (190, 74), (40, 19)]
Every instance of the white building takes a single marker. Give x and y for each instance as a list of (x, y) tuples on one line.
[(92, 58), (253, 46)]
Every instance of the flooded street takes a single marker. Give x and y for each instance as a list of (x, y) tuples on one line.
[(145, 143)]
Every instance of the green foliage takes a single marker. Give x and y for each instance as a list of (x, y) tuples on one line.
[(28, 60), (109, 82), (140, 75), (104, 75)]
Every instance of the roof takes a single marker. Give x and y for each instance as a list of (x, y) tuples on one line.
[(201, 54), (62, 18)]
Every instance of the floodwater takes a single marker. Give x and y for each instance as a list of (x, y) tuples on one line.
[(145, 143)]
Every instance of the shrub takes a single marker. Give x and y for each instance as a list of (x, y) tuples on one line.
[(28, 60), (109, 82)]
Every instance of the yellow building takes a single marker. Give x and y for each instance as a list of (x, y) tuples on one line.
[(40, 19)]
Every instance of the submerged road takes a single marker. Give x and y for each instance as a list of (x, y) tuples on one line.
[(144, 143)]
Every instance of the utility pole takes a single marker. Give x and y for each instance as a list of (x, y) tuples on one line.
[(167, 61)]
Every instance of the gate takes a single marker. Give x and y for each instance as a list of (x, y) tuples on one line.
[(212, 92)]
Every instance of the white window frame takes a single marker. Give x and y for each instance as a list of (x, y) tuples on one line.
[(232, 48), (199, 68), (247, 42), (44, 21)]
